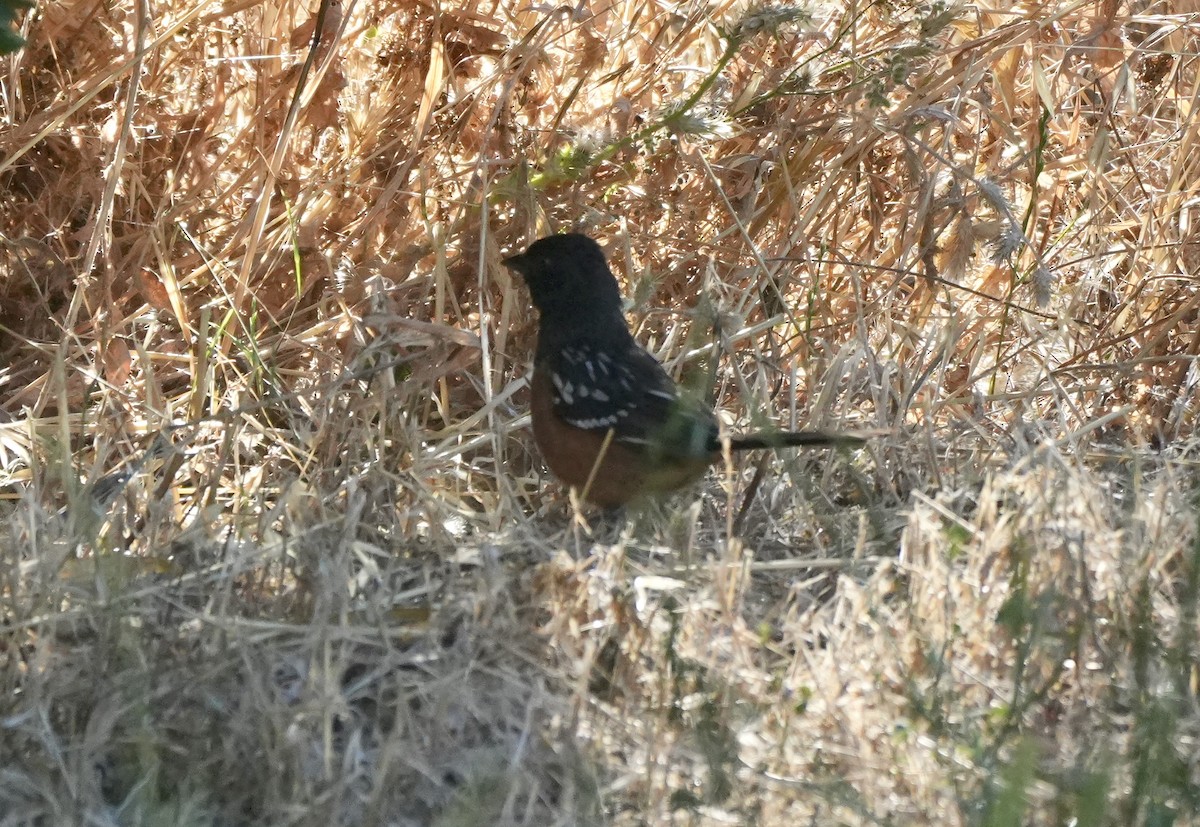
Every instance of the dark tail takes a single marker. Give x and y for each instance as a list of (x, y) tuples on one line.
[(791, 439)]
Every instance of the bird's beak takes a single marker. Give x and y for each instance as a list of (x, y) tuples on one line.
[(518, 264)]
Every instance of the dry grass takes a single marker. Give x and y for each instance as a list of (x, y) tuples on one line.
[(278, 549)]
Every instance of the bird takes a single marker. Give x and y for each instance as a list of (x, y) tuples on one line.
[(607, 418)]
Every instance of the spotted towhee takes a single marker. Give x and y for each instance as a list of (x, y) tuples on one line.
[(608, 419)]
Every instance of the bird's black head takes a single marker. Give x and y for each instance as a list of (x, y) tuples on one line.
[(568, 277)]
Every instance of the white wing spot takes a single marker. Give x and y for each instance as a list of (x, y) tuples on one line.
[(565, 389), (594, 423)]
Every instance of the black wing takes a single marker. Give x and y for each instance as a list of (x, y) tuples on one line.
[(628, 392)]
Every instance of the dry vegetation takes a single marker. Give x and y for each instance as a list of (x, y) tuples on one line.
[(277, 549)]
